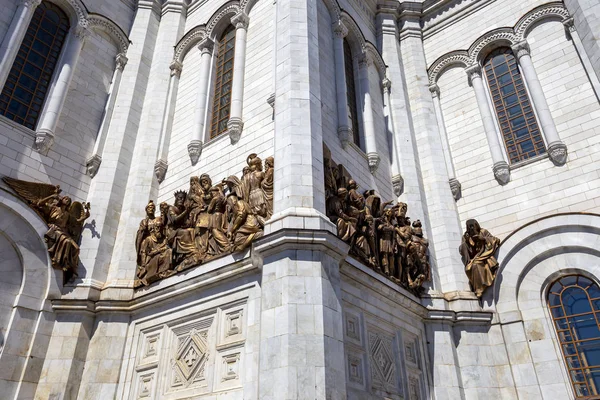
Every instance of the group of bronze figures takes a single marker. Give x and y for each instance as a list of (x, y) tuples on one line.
[(209, 221), (64, 218), (205, 222), (379, 234)]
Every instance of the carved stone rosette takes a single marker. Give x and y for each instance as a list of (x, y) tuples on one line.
[(205, 222), (379, 233)]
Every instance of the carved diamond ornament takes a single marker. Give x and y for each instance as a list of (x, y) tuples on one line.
[(190, 359), (383, 369)]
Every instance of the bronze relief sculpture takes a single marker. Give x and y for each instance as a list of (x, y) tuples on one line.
[(64, 218), (478, 249), (379, 234), (206, 222)]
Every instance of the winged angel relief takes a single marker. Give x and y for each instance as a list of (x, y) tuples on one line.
[(64, 218)]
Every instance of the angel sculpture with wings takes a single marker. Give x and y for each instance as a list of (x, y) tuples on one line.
[(64, 218)]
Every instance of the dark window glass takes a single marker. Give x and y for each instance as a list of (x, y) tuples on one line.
[(351, 92), (223, 83), (571, 301), (521, 135), (27, 83)]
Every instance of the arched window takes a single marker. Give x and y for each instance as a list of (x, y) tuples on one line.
[(223, 80), (518, 124), (351, 92), (27, 84), (574, 303)]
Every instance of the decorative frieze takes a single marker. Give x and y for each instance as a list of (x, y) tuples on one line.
[(206, 222)]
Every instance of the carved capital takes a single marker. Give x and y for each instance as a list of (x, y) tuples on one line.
[(240, 20), (473, 72), (373, 159), (175, 68), (569, 24), (31, 3), (93, 164), (195, 150), (398, 184), (386, 84), (44, 140), (345, 134), (456, 188), (435, 90), (234, 129), (557, 152), (501, 172), (339, 29), (121, 61), (81, 30), (521, 49), (206, 45), (364, 61), (160, 170)]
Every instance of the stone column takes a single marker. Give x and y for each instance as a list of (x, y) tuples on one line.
[(44, 138), (441, 219), (557, 150), (397, 180), (403, 140), (569, 24), (344, 126), (195, 147), (368, 119), (501, 170), (454, 183), (236, 123), (162, 161), (93, 163), (14, 36)]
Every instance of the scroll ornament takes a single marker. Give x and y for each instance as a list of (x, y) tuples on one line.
[(205, 222), (477, 250), (379, 234), (64, 218)]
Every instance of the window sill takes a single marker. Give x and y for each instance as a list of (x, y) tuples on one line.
[(17, 127), (358, 150), (528, 161)]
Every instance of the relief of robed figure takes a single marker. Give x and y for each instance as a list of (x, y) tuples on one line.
[(477, 250)]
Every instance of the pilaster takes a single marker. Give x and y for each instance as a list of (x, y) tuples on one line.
[(154, 133), (298, 146), (442, 215), (107, 189), (301, 329), (405, 158)]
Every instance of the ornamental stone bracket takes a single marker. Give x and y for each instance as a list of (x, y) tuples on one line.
[(501, 172), (44, 140), (373, 159), (456, 188), (398, 184), (557, 152), (234, 129), (93, 164), (160, 169), (195, 151)]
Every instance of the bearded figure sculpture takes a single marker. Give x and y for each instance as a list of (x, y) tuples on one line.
[(478, 249)]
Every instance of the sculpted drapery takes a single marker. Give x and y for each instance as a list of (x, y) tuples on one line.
[(207, 221)]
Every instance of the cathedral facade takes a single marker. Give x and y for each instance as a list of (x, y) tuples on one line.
[(299, 199)]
